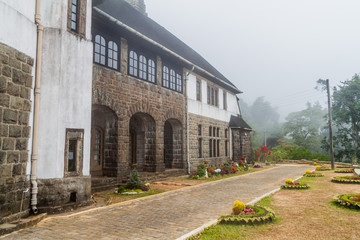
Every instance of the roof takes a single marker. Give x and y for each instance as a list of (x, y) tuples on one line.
[(238, 122), (126, 14)]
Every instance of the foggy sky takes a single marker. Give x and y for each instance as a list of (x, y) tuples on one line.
[(272, 48)]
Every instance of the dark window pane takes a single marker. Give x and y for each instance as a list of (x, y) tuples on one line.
[(72, 156)]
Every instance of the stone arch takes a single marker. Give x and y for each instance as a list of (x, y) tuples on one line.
[(101, 97), (104, 141), (174, 114), (142, 142), (143, 107), (173, 143)]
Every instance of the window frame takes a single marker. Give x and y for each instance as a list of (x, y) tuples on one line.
[(78, 136), (198, 90), (144, 70), (172, 79)]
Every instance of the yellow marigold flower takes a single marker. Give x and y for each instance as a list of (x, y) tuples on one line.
[(239, 205), (288, 181), (308, 172), (317, 167), (315, 163)]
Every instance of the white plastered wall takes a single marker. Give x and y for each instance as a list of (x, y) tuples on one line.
[(18, 30), (206, 110), (66, 87)]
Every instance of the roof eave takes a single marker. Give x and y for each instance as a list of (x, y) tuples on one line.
[(117, 22)]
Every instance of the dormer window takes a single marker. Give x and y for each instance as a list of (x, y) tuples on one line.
[(141, 66), (100, 50), (172, 79), (113, 55)]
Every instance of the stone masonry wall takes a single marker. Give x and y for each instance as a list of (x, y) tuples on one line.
[(126, 96), (205, 122), (242, 145), (15, 106)]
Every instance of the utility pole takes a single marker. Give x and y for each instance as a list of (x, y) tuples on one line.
[(265, 138), (330, 126)]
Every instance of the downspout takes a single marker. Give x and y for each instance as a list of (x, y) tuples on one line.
[(187, 120), (34, 150)]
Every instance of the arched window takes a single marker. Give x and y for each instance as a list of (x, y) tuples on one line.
[(165, 77), (112, 55), (151, 71), (142, 67), (178, 83), (172, 80), (133, 64), (99, 51)]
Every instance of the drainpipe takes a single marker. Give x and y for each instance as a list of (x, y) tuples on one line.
[(187, 120), (34, 150)]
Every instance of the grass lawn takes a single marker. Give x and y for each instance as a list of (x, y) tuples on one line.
[(300, 214)]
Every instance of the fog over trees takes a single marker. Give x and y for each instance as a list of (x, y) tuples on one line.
[(308, 128)]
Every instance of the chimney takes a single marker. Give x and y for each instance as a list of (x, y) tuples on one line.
[(138, 5)]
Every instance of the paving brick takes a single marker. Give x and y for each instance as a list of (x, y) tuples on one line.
[(165, 216)]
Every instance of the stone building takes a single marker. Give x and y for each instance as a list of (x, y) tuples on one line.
[(118, 91)]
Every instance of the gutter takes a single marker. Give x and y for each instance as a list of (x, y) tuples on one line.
[(132, 30), (34, 150)]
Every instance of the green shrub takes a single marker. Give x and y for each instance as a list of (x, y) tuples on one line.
[(201, 170), (135, 181)]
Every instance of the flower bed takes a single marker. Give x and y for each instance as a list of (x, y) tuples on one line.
[(343, 166), (247, 215), (292, 185), (349, 170), (348, 200), (309, 173), (322, 168), (347, 179)]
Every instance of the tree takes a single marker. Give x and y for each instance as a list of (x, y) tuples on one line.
[(346, 116), (304, 127), (264, 120)]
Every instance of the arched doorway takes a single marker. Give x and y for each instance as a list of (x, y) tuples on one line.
[(142, 137), (173, 154), (104, 142)]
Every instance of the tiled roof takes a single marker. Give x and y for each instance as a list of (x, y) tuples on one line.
[(129, 16), (238, 122)]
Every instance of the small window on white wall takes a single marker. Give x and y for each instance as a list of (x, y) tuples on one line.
[(74, 143)]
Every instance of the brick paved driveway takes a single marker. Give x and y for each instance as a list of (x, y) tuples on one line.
[(164, 216)]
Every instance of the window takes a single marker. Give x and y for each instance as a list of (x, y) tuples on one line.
[(142, 67), (218, 132), (165, 77), (224, 101), (213, 96), (218, 148), (107, 55), (214, 148), (216, 97), (151, 71), (77, 17), (72, 155), (208, 95), (113, 55), (210, 148), (74, 142), (99, 51), (198, 90), (226, 142), (172, 79), (133, 64), (210, 131), (178, 82), (199, 142), (97, 139)]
